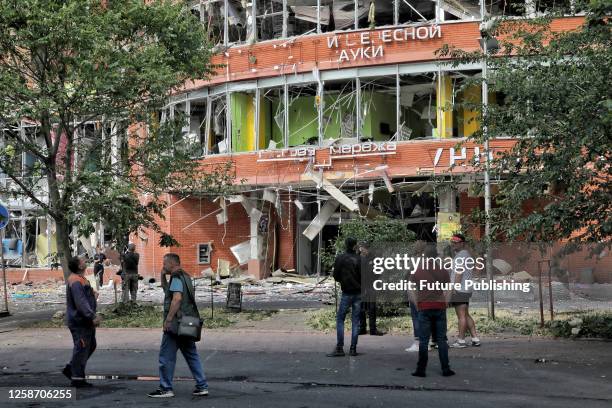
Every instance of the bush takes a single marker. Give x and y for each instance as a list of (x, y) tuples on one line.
[(585, 324)]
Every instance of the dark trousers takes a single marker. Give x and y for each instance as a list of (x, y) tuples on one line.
[(130, 287), (368, 308), (429, 320), (84, 339), (347, 302), (414, 315)]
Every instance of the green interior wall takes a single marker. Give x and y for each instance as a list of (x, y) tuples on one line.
[(303, 118), (381, 109), (239, 106)]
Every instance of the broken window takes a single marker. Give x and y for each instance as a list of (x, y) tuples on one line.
[(531, 8), (411, 11), (303, 118), (273, 121), (269, 19), (223, 26), (380, 13), (418, 106), (217, 125), (339, 113), (458, 10), (378, 108)]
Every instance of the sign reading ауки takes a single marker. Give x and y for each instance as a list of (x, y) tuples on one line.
[(371, 44)]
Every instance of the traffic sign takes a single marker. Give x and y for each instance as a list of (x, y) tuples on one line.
[(4, 216)]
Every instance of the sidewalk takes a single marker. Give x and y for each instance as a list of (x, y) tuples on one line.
[(245, 361)]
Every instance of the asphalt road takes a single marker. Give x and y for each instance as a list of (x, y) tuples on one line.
[(251, 368)]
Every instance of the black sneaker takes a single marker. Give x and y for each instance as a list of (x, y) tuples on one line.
[(363, 331), (377, 333), (81, 384), (338, 352), (353, 351), (161, 394), (200, 392), (448, 373), (67, 371), (419, 373)]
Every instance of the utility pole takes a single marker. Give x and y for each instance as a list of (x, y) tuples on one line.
[(487, 181)]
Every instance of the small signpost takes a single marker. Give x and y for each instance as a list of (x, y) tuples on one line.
[(234, 296), (4, 219)]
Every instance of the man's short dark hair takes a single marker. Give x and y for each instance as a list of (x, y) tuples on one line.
[(74, 263), (173, 257)]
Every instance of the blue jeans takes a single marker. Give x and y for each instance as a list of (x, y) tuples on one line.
[(167, 361), (414, 315), (354, 302), (434, 319), (84, 340)]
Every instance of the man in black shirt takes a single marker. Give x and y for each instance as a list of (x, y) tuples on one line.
[(347, 271), (130, 273), (99, 259)]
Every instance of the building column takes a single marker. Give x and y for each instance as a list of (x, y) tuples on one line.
[(444, 100)]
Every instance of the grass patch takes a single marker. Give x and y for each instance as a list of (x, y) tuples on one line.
[(258, 315), (505, 322), (134, 315)]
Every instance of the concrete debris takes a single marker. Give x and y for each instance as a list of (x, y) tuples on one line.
[(286, 286), (59, 315), (502, 266), (522, 276)]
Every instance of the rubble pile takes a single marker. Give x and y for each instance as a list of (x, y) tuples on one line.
[(281, 286)]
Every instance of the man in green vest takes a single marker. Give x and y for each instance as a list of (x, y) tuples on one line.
[(178, 301)]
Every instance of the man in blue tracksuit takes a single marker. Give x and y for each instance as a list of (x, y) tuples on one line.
[(81, 320)]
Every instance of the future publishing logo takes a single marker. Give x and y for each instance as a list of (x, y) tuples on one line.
[(469, 285)]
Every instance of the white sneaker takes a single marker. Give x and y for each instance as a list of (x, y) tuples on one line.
[(414, 348), (459, 344), (475, 341), (200, 392)]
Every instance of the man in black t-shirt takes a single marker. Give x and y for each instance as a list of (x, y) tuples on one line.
[(99, 259), (130, 273)]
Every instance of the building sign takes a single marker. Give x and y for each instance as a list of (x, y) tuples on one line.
[(289, 154), (456, 157), (367, 148), (371, 44), (303, 153)]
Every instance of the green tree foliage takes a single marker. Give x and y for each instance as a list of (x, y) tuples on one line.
[(77, 72), (380, 232), (554, 96)]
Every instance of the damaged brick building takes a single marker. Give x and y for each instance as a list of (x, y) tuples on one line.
[(328, 110)]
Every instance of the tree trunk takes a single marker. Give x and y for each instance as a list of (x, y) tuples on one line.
[(63, 244)]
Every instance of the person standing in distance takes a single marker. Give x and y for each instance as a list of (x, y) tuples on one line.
[(460, 299), (130, 273), (347, 271)]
